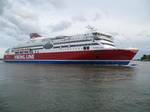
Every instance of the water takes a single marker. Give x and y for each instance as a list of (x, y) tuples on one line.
[(74, 88)]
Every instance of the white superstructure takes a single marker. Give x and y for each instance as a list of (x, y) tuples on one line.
[(89, 41)]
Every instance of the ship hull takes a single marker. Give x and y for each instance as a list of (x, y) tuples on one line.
[(103, 57)]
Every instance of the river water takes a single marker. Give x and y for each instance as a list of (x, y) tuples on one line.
[(74, 88)]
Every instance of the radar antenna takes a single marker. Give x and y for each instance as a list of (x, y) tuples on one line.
[(90, 28)]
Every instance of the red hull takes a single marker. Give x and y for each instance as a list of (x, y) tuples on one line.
[(114, 54)]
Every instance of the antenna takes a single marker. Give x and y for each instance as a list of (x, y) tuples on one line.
[(90, 28)]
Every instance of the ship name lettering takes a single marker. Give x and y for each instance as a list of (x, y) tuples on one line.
[(24, 57), (20, 57), (31, 56)]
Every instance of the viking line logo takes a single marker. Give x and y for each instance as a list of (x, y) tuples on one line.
[(24, 57)]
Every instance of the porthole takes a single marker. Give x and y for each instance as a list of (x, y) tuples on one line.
[(84, 48), (87, 47)]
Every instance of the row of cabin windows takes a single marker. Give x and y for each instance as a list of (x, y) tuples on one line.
[(76, 45), (34, 51), (49, 46), (68, 49), (108, 44), (29, 47), (100, 34), (86, 47), (26, 52), (95, 38), (71, 41), (23, 52), (75, 48), (108, 40)]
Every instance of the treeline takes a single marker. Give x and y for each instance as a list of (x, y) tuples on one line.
[(145, 58)]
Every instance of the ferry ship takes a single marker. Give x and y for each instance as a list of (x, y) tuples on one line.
[(88, 48)]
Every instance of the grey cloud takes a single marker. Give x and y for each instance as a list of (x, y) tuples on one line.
[(114, 34), (79, 18), (45, 4), (60, 26), (97, 16), (87, 18), (18, 23), (21, 16), (25, 25), (144, 33), (4, 23), (58, 3), (3, 5), (7, 40)]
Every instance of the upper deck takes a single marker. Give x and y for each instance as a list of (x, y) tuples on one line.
[(94, 40)]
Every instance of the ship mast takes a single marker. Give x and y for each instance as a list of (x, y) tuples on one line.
[(91, 28)]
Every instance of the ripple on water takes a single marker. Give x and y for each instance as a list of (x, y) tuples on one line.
[(75, 88)]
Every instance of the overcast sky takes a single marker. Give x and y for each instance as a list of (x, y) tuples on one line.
[(127, 20)]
